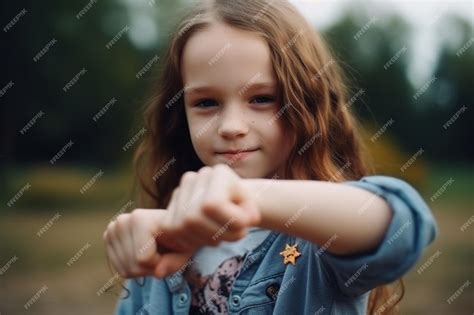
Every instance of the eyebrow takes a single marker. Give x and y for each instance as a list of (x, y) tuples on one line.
[(244, 88)]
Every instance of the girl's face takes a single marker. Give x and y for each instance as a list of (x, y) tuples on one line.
[(231, 102)]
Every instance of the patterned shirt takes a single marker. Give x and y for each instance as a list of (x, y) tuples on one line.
[(215, 269), (210, 294)]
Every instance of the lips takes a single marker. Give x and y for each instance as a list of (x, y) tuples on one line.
[(237, 151), (234, 156)]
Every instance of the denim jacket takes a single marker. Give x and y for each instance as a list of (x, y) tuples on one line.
[(319, 282)]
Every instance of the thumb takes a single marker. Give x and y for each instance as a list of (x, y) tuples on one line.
[(171, 262)]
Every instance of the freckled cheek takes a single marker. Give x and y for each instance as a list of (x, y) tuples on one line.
[(203, 151), (202, 137), (198, 128), (262, 121), (276, 138)]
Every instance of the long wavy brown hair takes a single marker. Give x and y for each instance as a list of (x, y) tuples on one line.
[(324, 133)]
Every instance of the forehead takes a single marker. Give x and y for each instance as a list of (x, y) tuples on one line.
[(221, 55)]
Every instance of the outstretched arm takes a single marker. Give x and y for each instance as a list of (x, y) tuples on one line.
[(318, 210)]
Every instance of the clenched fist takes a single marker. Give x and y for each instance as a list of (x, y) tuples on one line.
[(208, 206)]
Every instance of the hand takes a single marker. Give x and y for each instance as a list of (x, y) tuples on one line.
[(131, 246), (160, 242), (208, 206)]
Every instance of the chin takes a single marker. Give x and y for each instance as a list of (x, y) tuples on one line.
[(247, 173)]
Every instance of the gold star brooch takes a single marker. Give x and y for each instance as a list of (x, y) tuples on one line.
[(290, 253)]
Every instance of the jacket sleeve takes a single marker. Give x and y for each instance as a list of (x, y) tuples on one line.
[(131, 300), (411, 229)]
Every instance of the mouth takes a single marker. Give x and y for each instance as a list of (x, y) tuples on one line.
[(237, 155)]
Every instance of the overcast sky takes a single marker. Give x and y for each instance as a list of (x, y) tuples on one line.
[(424, 16)]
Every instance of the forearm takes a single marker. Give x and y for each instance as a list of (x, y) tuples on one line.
[(317, 211)]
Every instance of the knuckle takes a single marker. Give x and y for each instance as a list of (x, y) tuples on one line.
[(187, 176), (135, 216), (141, 258), (105, 236), (136, 212), (209, 210), (166, 225), (205, 169), (221, 167), (110, 226), (144, 258), (211, 206), (122, 219), (191, 222), (211, 203), (108, 237), (109, 241)]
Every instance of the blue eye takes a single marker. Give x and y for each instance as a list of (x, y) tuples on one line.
[(263, 99), (205, 103)]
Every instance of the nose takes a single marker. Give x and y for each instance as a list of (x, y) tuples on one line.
[(233, 122)]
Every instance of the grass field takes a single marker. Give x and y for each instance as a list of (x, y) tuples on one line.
[(41, 265)]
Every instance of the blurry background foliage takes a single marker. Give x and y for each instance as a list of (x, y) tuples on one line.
[(112, 73)]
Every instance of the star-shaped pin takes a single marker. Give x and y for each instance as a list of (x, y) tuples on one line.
[(290, 253)]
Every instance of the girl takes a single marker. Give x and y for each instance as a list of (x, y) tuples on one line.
[(252, 172)]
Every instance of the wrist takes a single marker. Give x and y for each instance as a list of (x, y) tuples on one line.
[(254, 190)]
